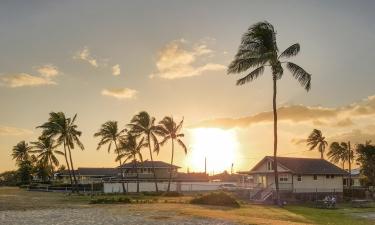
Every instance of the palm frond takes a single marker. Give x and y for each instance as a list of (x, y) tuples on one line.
[(300, 74), (290, 51), (251, 76)]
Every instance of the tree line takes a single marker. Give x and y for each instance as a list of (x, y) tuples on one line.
[(60, 135)]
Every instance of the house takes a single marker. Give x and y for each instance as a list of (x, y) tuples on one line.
[(162, 170), (301, 176), (355, 177), (86, 175)]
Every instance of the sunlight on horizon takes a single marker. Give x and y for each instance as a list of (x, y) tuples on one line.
[(218, 145)]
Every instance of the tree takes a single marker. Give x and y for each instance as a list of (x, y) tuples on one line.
[(45, 147), (66, 134), (258, 49), (110, 133), (169, 130), (342, 152), (144, 125), (24, 172), (317, 140), (21, 152), (366, 158), (130, 149)]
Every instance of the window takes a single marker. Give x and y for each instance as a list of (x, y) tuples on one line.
[(299, 178), (332, 176), (315, 177), (283, 178), (269, 165), (327, 176)]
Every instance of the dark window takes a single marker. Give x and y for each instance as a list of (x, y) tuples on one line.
[(299, 178), (327, 176), (332, 176), (315, 177), (270, 165)]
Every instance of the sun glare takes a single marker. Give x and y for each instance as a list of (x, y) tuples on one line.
[(217, 145)]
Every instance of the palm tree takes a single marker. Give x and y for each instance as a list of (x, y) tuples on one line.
[(342, 152), (130, 149), (171, 131), (45, 147), (258, 49), (66, 133), (316, 139), (143, 124), (110, 133), (21, 152)]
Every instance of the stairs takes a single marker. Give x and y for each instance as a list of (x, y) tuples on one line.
[(263, 194)]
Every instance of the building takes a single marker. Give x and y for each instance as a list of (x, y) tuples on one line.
[(89, 175), (355, 177), (297, 176), (162, 170)]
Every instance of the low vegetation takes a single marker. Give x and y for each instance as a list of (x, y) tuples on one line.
[(217, 199), (111, 200)]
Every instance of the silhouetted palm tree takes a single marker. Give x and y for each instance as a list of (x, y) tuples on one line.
[(45, 147), (130, 149), (169, 130), (143, 124), (258, 49), (342, 152), (66, 133), (316, 139), (21, 152), (110, 133)]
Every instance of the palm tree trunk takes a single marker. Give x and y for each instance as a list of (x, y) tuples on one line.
[(277, 198), (73, 172), (152, 164), (170, 170), (52, 170), (350, 168), (136, 170), (121, 169), (67, 164)]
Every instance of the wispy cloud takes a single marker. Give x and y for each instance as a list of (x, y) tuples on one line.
[(13, 131), (85, 55), (46, 75), (334, 117), (116, 70), (175, 61), (120, 93)]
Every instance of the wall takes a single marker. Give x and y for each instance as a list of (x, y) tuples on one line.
[(322, 184), (175, 186)]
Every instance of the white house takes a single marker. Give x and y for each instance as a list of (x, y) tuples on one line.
[(296, 175)]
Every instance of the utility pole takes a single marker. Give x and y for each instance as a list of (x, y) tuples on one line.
[(205, 165), (231, 169)]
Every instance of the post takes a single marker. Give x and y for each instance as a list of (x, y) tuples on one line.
[(205, 165)]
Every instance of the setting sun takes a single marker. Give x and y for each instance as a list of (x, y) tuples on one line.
[(217, 145)]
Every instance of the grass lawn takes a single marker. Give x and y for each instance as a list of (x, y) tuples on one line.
[(17, 199)]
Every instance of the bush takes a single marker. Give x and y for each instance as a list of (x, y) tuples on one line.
[(172, 194), (120, 200), (216, 198)]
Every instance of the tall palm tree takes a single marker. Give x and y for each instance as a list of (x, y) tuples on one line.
[(258, 49), (169, 130), (143, 124), (21, 152), (316, 139), (130, 149), (344, 153), (66, 133), (110, 133), (45, 147)]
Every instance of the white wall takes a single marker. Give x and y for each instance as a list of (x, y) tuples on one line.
[(150, 186), (322, 184)]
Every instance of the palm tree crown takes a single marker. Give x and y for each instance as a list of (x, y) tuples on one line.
[(21, 152), (46, 149), (109, 133), (259, 49), (316, 139)]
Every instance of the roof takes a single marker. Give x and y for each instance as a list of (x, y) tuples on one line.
[(148, 164), (305, 165)]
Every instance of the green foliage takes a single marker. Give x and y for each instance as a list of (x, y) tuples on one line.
[(366, 157), (172, 194), (24, 172), (111, 200), (216, 198), (8, 178)]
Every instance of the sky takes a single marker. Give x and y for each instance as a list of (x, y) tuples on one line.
[(108, 60)]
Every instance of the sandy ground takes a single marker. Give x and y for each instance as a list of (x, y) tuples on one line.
[(100, 215)]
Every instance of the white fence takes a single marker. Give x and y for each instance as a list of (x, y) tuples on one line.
[(175, 186)]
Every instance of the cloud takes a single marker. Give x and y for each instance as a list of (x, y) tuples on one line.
[(355, 136), (24, 79), (48, 71), (120, 93), (85, 55), (335, 117), (13, 131), (116, 70), (175, 61)]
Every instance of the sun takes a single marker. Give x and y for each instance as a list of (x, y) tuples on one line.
[(218, 146)]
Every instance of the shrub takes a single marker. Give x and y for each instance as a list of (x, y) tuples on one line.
[(120, 200), (216, 198), (172, 194)]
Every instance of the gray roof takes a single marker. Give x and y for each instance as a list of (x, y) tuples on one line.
[(148, 164), (306, 165)]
